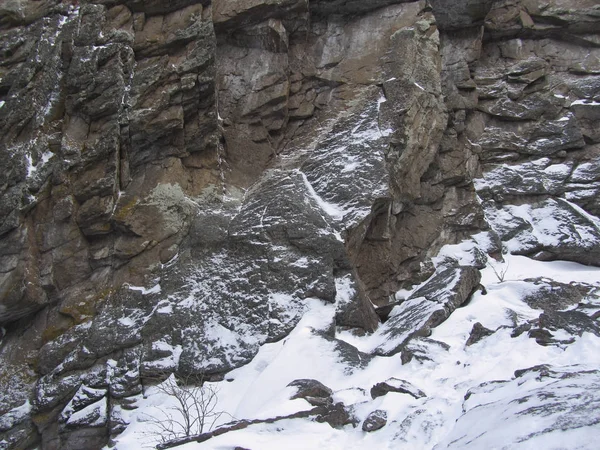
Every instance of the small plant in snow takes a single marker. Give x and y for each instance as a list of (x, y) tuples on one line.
[(190, 410), (500, 271)]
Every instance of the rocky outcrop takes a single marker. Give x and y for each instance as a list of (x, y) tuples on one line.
[(308, 389), (537, 145), (101, 142), (564, 311), (478, 333), (375, 421), (552, 398), (107, 111), (182, 178), (396, 385), (428, 307), (550, 295), (172, 163)]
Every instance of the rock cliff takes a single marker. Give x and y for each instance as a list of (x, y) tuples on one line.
[(181, 179)]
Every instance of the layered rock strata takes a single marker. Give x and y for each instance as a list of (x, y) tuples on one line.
[(179, 177)]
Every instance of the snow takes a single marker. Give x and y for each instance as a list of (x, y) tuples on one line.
[(585, 102), (332, 210), (389, 130), (167, 309), (585, 172), (168, 362), (93, 412), (15, 415), (259, 389), (558, 169), (92, 415), (153, 290), (478, 427), (463, 253), (351, 166), (46, 157), (345, 290), (126, 321), (550, 223), (386, 132), (31, 169), (593, 220), (443, 366)]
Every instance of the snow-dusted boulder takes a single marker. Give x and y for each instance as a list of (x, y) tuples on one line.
[(310, 388), (375, 421), (549, 229), (428, 306), (396, 385), (544, 406)]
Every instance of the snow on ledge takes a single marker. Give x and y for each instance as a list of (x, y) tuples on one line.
[(156, 289)]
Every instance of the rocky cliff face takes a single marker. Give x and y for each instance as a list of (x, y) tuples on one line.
[(181, 177)]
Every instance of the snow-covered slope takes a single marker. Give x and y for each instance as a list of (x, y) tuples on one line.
[(360, 223), (502, 391)]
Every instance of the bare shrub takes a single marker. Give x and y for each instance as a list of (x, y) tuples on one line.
[(501, 271), (192, 410)]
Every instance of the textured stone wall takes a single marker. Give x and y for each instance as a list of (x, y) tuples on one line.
[(178, 177)]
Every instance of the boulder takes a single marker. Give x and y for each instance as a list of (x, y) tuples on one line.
[(422, 349), (376, 420), (553, 296), (575, 323), (337, 416), (396, 385), (533, 230), (427, 307), (353, 307), (478, 332), (349, 354), (310, 388), (551, 400)]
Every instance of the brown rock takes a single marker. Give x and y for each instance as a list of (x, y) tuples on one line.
[(375, 421), (310, 388), (478, 332)]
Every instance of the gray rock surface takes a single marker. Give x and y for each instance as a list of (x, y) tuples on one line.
[(551, 404), (428, 307), (396, 385), (179, 177), (337, 416), (310, 388), (478, 333), (534, 230), (376, 420), (535, 92), (553, 296)]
